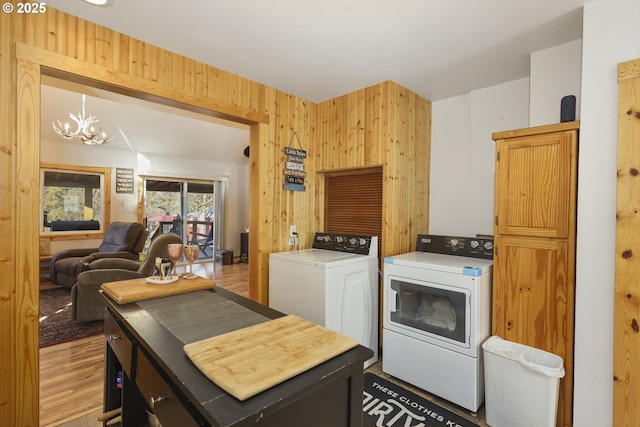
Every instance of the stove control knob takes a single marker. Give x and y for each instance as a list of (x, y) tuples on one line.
[(488, 245), (474, 244), (453, 242)]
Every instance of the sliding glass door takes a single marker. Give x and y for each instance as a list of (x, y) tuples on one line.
[(187, 208)]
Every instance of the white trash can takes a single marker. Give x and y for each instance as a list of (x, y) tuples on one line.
[(521, 384)]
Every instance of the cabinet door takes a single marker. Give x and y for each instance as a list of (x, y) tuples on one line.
[(534, 178), (533, 302), (532, 295)]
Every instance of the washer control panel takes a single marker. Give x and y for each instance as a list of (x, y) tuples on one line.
[(362, 245), (475, 247)]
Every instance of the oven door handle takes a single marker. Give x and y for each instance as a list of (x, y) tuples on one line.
[(393, 301)]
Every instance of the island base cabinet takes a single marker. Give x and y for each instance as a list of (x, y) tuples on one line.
[(146, 369)]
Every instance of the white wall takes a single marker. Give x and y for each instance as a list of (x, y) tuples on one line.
[(611, 34), (124, 206), (554, 73), (463, 155)]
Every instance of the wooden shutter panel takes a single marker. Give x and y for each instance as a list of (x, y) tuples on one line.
[(353, 203)]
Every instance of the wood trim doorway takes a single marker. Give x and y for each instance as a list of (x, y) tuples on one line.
[(21, 330)]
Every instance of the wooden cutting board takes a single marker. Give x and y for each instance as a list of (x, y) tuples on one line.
[(248, 361), (126, 291)]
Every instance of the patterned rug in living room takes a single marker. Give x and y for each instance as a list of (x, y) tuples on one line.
[(56, 325), (390, 405)]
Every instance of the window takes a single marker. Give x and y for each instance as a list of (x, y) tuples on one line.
[(189, 208), (74, 199)]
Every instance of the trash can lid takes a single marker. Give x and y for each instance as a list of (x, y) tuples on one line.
[(541, 361)]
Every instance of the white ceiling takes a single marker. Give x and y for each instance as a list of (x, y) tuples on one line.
[(320, 49), (144, 127)]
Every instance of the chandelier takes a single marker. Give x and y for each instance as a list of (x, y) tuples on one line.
[(85, 131)]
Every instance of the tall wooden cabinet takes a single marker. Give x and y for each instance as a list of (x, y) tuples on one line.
[(534, 260)]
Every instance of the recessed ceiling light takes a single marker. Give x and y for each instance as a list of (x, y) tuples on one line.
[(103, 3)]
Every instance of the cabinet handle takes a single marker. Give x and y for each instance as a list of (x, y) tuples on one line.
[(154, 400), (113, 338)]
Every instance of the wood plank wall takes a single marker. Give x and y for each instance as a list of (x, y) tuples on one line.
[(274, 208), (626, 370), (384, 125)]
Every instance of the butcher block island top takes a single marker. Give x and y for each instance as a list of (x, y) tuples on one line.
[(126, 291), (252, 359), (146, 340)]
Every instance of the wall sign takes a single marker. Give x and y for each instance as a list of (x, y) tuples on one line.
[(124, 180), (294, 173)]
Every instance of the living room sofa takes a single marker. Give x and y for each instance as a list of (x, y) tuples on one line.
[(121, 240)]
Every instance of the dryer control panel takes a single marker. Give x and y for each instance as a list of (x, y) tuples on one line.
[(474, 247)]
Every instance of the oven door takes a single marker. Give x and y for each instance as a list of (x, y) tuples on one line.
[(428, 311)]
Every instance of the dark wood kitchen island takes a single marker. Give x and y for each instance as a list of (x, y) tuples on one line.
[(146, 368)]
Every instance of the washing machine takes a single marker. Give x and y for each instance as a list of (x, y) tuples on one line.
[(333, 284)]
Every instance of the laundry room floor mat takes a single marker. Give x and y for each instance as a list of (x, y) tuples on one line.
[(390, 405)]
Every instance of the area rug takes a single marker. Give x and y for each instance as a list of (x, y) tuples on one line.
[(56, 325), (390, 405)]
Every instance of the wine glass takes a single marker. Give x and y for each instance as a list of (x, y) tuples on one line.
[(174, 250), (191, 254)]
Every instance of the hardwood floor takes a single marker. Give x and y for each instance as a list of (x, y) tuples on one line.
[(71, 380), (72, 374)]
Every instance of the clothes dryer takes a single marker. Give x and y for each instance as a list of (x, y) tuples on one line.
[(437, 315)]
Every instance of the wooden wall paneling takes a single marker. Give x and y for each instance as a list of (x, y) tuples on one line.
[(395, 197), (406, 168), (374, 124), (263, 201), (341, 134), (289, 199), (421, 121), (121, 50), (328, 132), (88, 45), (164, 65), (301, 207), (356, 149), (53, 24), (103, 47), (278, 209), (323, 111), (626, 370), (25, 180), (258, 232), (404, 134), (8, 334), (391, 136), (114, 80)]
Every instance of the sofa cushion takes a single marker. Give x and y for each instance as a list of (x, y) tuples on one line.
[(123, 236)]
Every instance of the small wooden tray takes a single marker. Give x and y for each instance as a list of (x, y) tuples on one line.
[(126, 291), (253, 359)]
